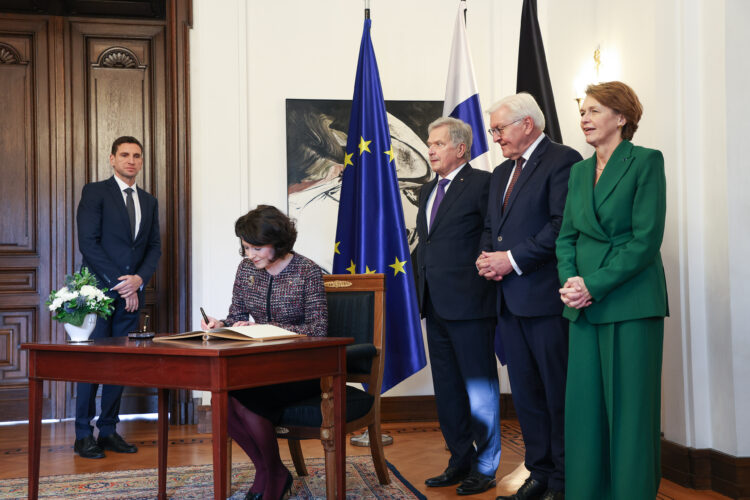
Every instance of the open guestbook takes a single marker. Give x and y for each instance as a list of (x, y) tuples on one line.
[(251, 332)]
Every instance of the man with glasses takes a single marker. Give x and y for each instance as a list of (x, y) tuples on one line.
[(526, 202)]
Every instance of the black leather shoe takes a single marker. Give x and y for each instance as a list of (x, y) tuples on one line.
[(253, 496), (475, 483), (87, 448), (115, 442), (450, 477), (553, 495), (531, 490)]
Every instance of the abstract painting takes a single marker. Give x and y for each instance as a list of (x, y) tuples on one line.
[(315, 140)]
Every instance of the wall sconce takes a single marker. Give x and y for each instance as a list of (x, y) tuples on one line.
[(606, 68), (597, 60), (588, 76)]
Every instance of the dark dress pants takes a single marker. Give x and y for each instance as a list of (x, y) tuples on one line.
[(119, 324), (467, 393), (536, 349)]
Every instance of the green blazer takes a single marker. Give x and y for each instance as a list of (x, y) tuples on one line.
[(611, 234)]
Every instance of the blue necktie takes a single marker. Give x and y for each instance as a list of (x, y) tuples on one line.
[(438, 199)]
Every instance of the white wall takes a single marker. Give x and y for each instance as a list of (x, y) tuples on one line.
[(737, 181), (242, 72), (685, 58)]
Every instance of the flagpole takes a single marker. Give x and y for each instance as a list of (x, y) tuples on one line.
[(364, 438)]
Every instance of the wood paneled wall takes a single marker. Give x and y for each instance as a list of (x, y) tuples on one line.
[(68, 87), (28, 232)]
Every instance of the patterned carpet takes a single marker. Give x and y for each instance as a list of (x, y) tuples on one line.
[(196, 481)]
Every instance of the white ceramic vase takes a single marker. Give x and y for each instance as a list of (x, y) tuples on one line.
[(81, 333)]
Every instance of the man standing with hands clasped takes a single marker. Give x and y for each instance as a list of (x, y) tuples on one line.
[(526, 202), (118, 235), (459, 307)]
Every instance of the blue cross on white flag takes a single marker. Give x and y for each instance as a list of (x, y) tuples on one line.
[(461, 95)]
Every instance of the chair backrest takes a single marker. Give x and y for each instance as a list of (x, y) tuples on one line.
[(350, 314), (356, 308)]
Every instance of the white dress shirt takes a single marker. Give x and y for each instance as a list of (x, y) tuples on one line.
[(526, 155)]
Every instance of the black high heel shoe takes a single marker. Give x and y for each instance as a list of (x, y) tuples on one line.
[(287, 486), (253, 496)]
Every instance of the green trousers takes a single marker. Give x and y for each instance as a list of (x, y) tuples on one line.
[(613, 410)]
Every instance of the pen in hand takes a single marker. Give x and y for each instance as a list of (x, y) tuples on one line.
[(205, 318)]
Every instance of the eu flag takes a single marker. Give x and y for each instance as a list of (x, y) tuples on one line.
[(371, 234)]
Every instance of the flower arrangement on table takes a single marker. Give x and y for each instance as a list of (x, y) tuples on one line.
[(80, 296)]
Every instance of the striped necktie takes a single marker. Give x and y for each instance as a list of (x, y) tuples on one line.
[(516, 175)]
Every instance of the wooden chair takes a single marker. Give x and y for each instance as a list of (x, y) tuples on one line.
[(356, 308)]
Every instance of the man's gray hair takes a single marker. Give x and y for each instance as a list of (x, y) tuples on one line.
[(459, 131), (520, 106)]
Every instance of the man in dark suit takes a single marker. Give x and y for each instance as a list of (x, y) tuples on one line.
[(526, 202), (459, 309), (118, 235)]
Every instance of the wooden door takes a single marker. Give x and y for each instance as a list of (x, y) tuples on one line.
[(117, 87), (69, 86), (29, 235)]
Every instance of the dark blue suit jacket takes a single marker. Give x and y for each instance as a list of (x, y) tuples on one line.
[(105, 238), (446, 256), (529, 228)]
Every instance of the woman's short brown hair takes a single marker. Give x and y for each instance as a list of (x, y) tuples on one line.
[(266, 225), (622, 99)]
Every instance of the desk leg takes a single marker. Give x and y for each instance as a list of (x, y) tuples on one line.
[(332, 407), (219, 402), (35, 433), (339, 408), (163, 442)]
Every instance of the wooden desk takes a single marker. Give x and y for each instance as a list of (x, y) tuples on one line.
[(217, 366)]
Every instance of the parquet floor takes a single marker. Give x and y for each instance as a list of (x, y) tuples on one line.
[(418, 452)]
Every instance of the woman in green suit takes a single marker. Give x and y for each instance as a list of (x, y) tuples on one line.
[(615, 295)]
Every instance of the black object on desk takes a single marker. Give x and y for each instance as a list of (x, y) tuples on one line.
[(144, 333)]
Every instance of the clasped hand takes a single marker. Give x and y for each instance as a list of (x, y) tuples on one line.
[(128, 290), (575, 294), (493, 265)]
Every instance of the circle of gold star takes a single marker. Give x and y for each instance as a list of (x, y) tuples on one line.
[(364, 145), (398, 267)]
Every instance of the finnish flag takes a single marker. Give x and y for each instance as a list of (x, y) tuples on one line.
[(461, 96)]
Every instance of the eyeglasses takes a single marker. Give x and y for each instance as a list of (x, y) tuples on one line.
[(499, 131)]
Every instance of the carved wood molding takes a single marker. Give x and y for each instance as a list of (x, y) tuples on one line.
[(9, 55), (119, 58)]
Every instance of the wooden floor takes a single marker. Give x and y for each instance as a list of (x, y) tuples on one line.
[(418, 452)]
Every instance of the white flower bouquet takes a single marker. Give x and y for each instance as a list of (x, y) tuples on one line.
[(80, 296)]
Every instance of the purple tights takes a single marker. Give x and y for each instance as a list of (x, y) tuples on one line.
[(257, 437)]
